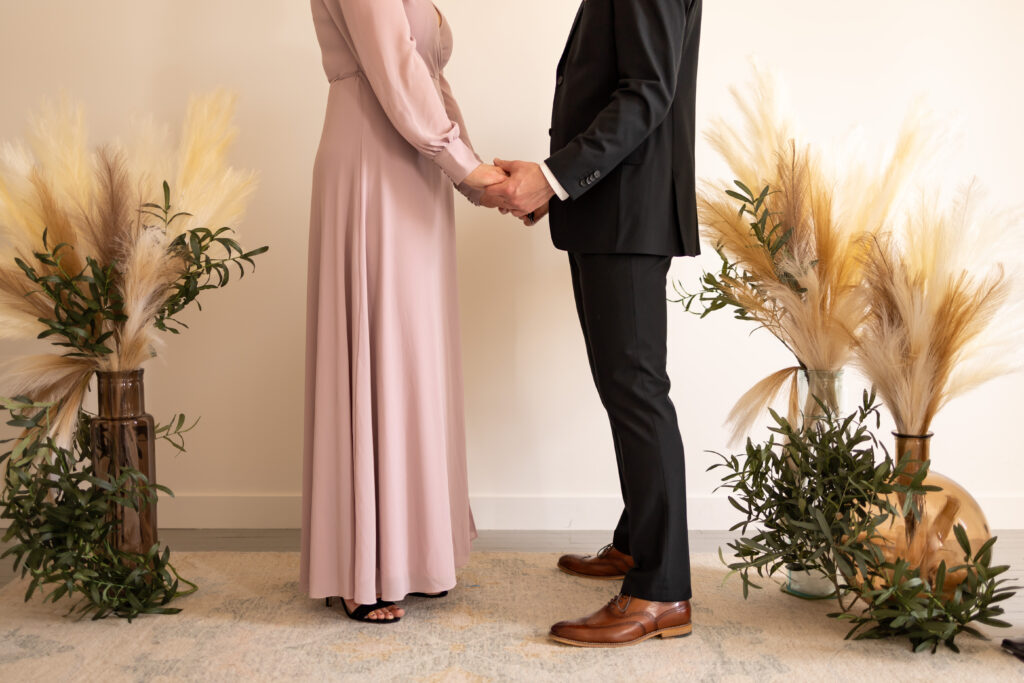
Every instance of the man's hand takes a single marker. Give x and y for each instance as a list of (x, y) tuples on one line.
[(525, 190), (490, 202), (536, 215)]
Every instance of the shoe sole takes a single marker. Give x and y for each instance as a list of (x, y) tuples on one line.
[(617, 577), (673, 632)]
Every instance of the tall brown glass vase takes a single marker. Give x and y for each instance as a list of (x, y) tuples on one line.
[(122, 437)]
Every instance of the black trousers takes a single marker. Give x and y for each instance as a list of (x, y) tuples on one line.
[(622, 306)]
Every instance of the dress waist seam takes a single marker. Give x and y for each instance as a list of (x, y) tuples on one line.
[(436, 77)]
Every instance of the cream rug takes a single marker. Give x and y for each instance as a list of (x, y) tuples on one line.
[(249, 623)]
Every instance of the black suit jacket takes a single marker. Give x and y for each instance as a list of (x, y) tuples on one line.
[(622, 130)]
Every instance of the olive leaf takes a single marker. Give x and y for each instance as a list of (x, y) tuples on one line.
[(818, 498), (58, 508)]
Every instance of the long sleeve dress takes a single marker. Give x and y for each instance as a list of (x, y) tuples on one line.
[(385, 495)]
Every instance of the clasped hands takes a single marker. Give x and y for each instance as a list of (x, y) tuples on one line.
[(516, 187)]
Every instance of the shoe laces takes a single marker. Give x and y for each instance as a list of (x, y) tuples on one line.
[(617, 600)]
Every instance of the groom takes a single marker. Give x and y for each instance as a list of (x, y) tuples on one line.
[(619, 186)]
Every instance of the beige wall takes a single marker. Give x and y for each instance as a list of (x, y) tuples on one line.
[(540, 455)]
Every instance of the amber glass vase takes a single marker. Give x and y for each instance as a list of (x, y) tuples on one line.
[(122, 437), (924, 536)]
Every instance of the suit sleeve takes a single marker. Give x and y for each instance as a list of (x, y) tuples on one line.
[(451, 105), (649, 44), (383, 43)]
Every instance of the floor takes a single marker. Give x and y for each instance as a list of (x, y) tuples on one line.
[(249, 622), (1009, 549), (287, 540)]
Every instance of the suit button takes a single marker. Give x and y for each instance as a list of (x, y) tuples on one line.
[(560, 81), (597, 174), (583, 183)]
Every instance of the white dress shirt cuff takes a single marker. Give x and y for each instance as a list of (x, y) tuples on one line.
[(553, 182)]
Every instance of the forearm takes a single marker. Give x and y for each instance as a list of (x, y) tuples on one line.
[(379, 30), (451, 105)]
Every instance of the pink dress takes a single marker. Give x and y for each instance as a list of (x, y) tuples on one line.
[(385, 496)]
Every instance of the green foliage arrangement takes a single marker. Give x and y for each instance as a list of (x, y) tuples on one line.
[(818, 498), (811, 496), (201, 269), (59, 511), (732, 284), (912, 605), (83, 302), (88, 307)]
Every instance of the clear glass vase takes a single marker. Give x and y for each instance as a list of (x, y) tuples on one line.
[(816, 388), (809, 584)]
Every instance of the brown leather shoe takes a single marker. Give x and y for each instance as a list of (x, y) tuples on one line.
[(626, 621), (609, 563)]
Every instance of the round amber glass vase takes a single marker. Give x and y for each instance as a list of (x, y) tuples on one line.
[(122, 436), (924, 536)]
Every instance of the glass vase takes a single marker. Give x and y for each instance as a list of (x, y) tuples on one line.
[(924, 536), (809, 584), (815, 388), (122, 436)]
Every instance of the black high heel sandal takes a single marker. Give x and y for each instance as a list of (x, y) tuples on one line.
[(433, 596), (362, 612)]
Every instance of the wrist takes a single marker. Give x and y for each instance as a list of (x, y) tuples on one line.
[(457, 160), (556, 187)]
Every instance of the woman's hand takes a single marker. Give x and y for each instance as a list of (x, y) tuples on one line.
[(485, 175)]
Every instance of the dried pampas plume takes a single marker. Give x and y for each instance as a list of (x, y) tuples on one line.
[(214, 192), (808, 292), (942, 317), (49, 378)]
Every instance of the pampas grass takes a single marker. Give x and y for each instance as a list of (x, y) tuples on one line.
[(807, 291), (942, 318), (214, 193), (90, 200), (201, 181)]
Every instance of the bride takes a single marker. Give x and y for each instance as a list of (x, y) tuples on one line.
[(385, 498)]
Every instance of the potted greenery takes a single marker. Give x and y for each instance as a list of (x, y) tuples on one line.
[(98, 258), (942, 320), (900, 599), (820, 503), (805, 490), (65, 517)]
